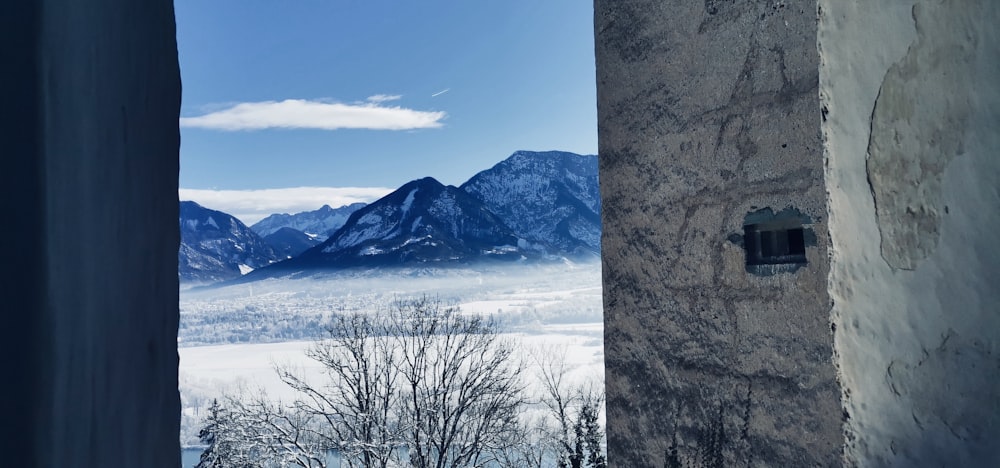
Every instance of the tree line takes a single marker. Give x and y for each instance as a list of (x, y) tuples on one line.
[(422, 385)]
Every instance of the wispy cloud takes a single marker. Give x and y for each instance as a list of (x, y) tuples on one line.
[(299, 113), (251, 206), (441, 92), (379, 98)]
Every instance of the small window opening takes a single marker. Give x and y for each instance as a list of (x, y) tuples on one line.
[(774, 244)]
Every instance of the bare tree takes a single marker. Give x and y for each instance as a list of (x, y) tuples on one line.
[(462, 384), (559, 399), (424, 377), (526, 445), (576, 436), (277, 435), (360, 399)]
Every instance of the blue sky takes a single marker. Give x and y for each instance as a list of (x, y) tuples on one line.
[(439, 88)]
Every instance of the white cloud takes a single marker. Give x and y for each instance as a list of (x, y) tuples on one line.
[(251, 206), (300, 113), (384, 98)]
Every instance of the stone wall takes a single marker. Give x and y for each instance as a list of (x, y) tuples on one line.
[(709, 120), (92, 180), (912, 141)]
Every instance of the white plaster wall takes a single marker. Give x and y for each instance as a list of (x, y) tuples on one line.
[(918, 349)]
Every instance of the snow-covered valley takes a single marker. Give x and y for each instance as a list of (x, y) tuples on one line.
[(232, 337)]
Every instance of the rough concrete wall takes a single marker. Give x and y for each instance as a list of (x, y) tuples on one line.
[(108, 99), (913, 97), (708, 111)]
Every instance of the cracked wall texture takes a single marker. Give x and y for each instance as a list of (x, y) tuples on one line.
[(912, 91), (708, 111)]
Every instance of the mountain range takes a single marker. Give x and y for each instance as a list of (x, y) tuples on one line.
[(319, 224), (531, 206), (292, 234)]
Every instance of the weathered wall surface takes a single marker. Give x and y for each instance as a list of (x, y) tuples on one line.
[(912, 142), (99, 95), (708, 111)]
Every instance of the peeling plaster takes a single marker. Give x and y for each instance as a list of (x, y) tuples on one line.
[(915, 134), (916, 349)]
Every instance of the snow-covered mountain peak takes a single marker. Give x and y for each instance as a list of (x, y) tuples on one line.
[(319, 223)]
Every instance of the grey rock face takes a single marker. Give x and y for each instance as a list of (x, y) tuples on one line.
[(709, 111)]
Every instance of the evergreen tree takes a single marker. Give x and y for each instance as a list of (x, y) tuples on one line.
[(576, 458), (229, 439), (592, 435), (209, 435)]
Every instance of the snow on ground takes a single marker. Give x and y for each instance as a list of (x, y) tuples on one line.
[(524, 297), (225, 368), (232, 337)]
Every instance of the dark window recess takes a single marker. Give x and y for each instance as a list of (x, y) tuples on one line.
[(774, 244)]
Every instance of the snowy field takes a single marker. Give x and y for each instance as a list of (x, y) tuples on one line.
[(276, 310), (233, 337)]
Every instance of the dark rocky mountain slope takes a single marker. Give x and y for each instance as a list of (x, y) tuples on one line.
[(216, 246), (290, 242), (422, 222), (550, 198)]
